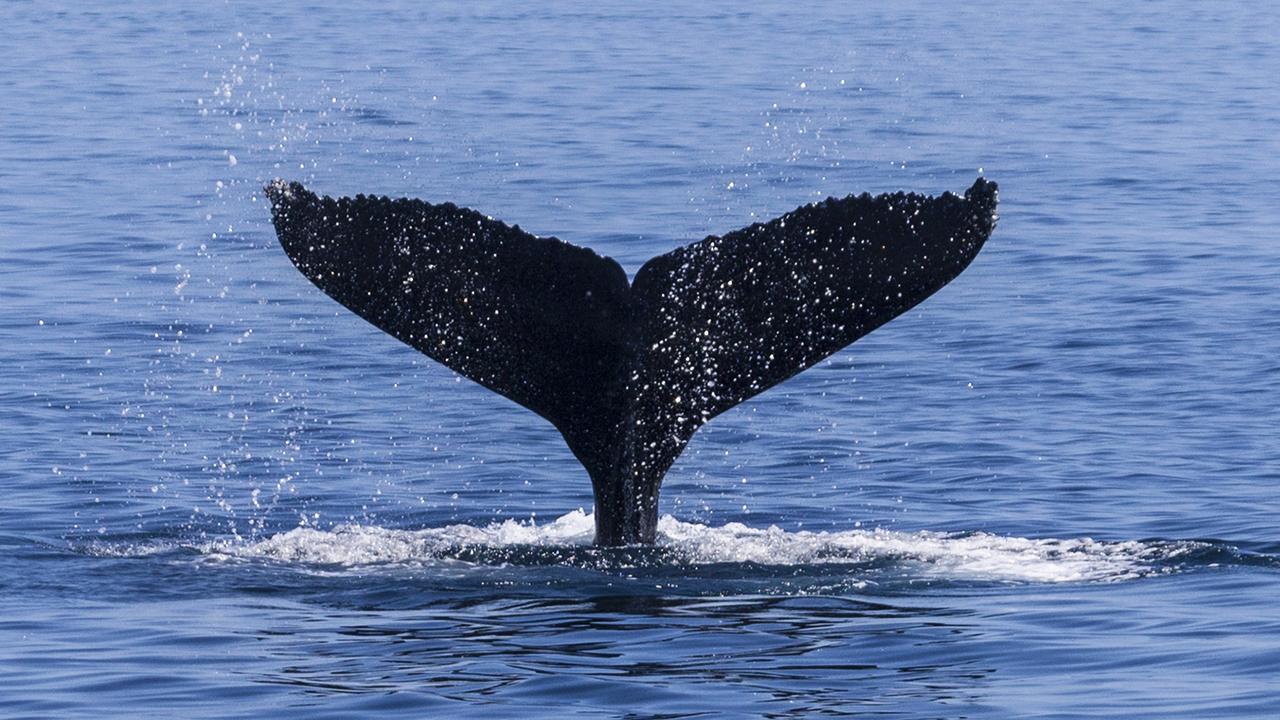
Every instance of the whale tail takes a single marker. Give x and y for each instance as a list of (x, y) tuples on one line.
[(627, 373)]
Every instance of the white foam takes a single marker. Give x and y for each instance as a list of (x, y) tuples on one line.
[(980, 556), (970, 556), (366, 545)]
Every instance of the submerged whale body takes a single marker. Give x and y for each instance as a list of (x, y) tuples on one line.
[(628, 372)]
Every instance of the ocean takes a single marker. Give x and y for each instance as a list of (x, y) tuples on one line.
[(1048, 491)]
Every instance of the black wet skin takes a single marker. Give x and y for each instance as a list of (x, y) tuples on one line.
[(627, 373)]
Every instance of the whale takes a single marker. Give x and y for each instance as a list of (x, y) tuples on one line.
[(628, 371)]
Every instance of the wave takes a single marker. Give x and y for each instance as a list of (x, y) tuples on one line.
[(976, 556)]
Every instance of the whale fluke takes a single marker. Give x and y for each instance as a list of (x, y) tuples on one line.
[(627, 373)]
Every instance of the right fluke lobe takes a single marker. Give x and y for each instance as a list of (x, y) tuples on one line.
[(628, 374)]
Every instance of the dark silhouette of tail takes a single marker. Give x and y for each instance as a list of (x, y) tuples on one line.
[(627, 374)]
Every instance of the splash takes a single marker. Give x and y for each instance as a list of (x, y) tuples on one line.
[(982, 557)]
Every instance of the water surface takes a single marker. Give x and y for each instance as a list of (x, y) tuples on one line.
[(1048, 491)]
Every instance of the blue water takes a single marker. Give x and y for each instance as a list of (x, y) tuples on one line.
[(1048, 491)]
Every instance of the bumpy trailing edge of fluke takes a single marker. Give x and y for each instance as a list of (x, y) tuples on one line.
[(628, 372)]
